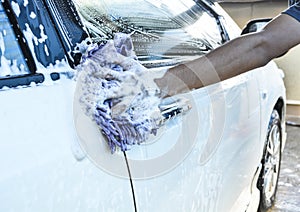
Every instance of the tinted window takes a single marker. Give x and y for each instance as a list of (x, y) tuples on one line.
[(164, 32), (12, 61)]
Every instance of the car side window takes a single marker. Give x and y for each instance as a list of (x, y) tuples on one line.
[(12, 61), (163, 32)]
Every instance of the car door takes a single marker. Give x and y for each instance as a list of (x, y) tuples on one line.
[(43, 167)]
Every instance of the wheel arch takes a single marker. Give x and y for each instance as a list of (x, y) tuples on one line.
[(280, 107)]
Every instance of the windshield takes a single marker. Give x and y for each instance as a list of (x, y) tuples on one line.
[(163, 32)]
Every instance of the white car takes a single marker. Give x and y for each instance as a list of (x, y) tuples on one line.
[(222, 155)]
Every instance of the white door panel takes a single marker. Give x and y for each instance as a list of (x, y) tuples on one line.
[(219, 162), (39, 171)]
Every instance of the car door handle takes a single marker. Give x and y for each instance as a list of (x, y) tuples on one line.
[(170, 108)]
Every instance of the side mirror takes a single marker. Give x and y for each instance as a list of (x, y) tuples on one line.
[(255, 25)]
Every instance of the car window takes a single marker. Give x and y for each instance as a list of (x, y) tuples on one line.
[(12, 60), (163, 32)]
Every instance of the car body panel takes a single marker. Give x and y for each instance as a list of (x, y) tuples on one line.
[(209, 171), (42, 166)]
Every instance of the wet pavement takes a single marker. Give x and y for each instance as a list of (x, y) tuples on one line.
[(288, 193)]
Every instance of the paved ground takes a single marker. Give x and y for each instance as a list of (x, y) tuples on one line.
[(288, 193)]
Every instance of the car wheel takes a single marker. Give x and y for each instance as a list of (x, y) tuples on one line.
[(268, 179)]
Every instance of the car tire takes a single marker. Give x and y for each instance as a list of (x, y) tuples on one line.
[(268, 178)]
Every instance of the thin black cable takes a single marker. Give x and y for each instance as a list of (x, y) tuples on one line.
[(131, 183)]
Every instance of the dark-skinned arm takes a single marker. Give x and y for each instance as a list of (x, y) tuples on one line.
[(233, 58)]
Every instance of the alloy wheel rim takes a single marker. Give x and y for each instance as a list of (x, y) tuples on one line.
[(272, 162)]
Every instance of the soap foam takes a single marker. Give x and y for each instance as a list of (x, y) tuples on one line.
[(119, 94)]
